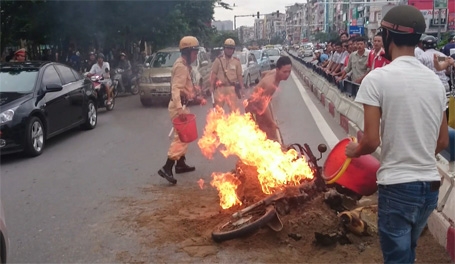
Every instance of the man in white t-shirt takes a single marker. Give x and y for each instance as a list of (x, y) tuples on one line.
[(406, 115), (101, 68)]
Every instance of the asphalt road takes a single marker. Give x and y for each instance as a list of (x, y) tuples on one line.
[(57, 204)]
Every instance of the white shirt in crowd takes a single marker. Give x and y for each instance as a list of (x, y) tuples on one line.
[(100, 71), (418, 51), (412, 108), (427, 59)]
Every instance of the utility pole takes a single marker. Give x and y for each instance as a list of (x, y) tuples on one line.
[(439, 24)]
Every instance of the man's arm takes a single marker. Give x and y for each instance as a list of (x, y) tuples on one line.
[(239, 71), (214, 74), (92, 71), (443, 138), (442, 65), (371, 138), (178, 83)]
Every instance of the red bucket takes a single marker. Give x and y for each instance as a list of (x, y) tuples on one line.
[(186, 127), (357, 174)]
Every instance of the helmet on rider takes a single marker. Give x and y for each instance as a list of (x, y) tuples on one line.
[(429, 42), (189, 43), (100, 56), (404, 19), (229, 43), (402, 25)]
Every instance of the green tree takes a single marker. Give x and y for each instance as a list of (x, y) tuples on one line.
[(101, 24)]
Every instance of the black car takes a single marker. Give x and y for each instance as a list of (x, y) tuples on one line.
[(39, 100)]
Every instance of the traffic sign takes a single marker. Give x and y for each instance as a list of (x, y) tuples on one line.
[(439, 4), (356, 30)]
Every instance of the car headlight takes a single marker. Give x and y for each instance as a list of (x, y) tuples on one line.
[(7, 115)]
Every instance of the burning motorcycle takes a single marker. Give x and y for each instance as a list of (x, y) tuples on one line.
[(266, 212)]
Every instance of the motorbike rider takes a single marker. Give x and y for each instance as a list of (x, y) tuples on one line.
[(125, 65), (429, 46), (226, 71), (90, 62), (101, 68), (182, 90)]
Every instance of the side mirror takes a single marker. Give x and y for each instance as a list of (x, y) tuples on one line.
[(322, 148), (204, 63), (53, 88)]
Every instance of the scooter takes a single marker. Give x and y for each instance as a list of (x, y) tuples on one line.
[(101, 96), (131, 85)]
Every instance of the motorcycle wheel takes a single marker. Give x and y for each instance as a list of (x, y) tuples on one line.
[(134, 88), (248, 224), (111, 106), (115, 92)]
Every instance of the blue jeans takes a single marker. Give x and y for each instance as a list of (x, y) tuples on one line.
[(403, 211)]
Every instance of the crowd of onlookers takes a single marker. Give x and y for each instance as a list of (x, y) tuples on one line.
[(347, 60), (80, 61)]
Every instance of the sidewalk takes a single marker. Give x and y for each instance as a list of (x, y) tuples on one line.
[(350, 116)]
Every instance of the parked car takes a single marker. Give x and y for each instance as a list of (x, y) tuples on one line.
[(262, 59), (274, 55), (307, 49), (250, 67), (155, 80), (39, 100)]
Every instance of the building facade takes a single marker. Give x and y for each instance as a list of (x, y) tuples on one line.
[(226, 25)]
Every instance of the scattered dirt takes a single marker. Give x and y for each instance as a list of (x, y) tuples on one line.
[(176, 224)]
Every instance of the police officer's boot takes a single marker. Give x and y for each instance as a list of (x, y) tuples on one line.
[(166, 171), (182, 167)]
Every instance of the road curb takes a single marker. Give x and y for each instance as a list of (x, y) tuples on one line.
[(349, 115)]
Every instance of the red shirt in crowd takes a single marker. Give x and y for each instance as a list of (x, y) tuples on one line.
[(376, 60)]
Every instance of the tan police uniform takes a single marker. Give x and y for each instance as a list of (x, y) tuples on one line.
[(181, 86), (225, 93)]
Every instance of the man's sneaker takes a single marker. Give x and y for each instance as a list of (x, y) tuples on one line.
[(167, 175)]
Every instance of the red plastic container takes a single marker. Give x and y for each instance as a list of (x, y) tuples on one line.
[(357, 174), (186, 127)]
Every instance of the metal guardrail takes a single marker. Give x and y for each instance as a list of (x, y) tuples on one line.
[(349, 88)]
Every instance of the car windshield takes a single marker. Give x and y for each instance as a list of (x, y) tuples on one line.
[(17, 80), (307, 47), (257, 54), (272, 52), (165, 59), (241, 56)]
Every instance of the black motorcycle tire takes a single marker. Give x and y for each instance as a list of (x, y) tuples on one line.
[(111, 106), (226, 231), (134, 88), (115, 91)]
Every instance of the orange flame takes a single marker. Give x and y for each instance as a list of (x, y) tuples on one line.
[(227, 184), (237, 134), (201, 183)]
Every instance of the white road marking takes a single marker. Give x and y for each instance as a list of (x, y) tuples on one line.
[(322, 124)]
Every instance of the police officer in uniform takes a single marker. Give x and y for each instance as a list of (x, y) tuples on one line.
[(226, 71), (182, 90)]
